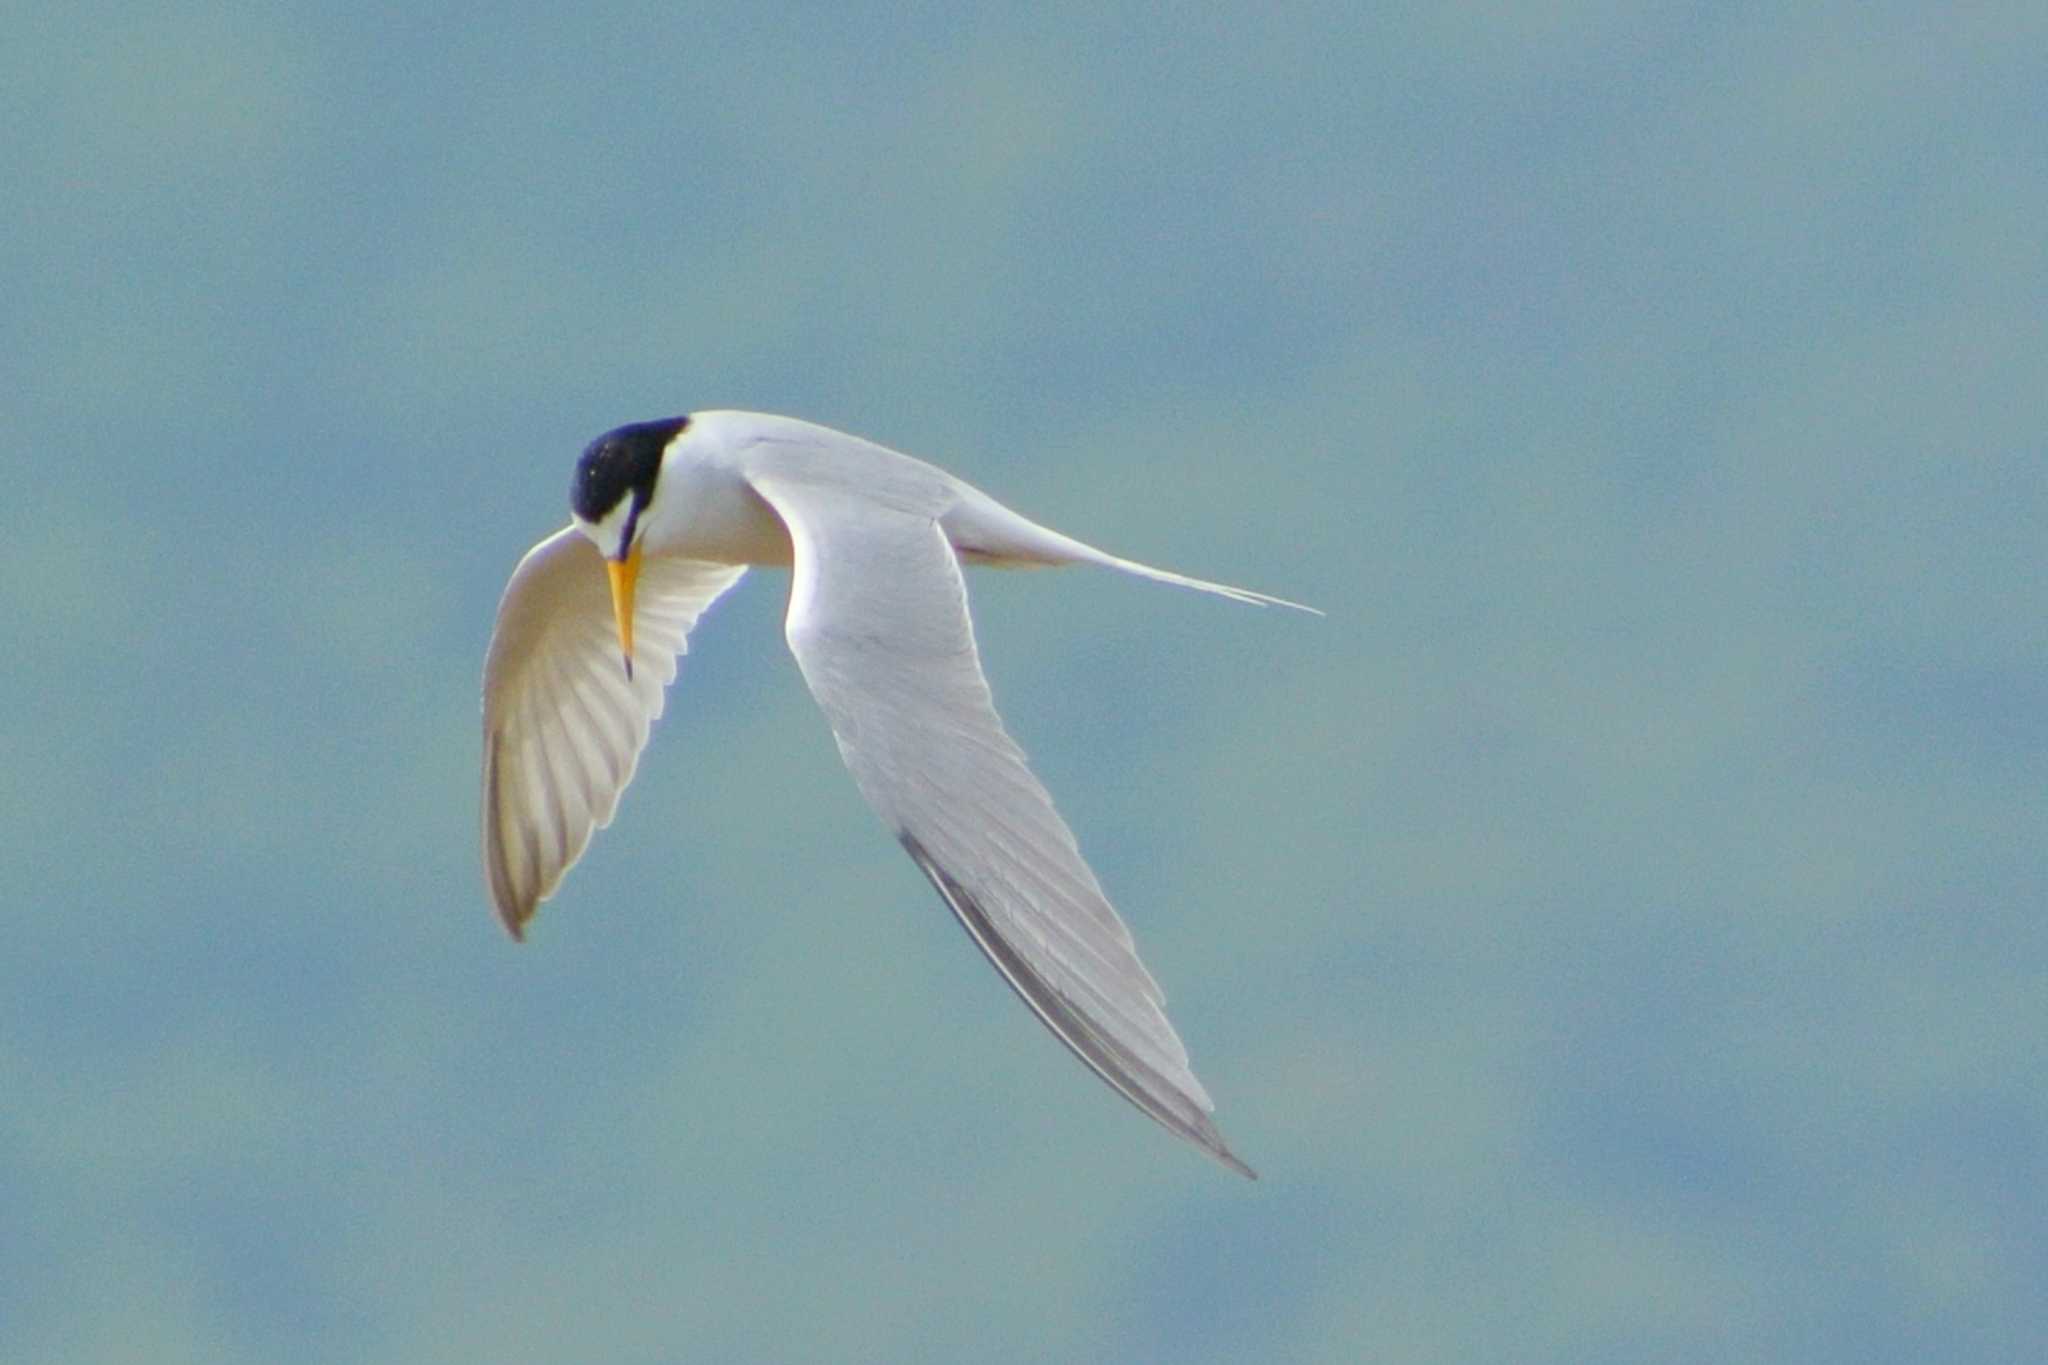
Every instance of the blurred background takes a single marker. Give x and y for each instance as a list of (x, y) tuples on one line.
[(1614, 932)]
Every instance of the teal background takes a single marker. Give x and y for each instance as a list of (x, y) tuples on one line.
[(1615, 932)]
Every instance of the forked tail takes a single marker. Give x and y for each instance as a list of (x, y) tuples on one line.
[(984, 531), (1181, 580)]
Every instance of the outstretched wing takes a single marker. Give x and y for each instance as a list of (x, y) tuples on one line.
[(878, 622), (563, 724)]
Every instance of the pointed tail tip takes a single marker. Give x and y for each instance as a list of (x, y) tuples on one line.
[(1231, 591), (1256, 599), (1265, 601)]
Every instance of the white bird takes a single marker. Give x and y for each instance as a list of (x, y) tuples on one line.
[(675, 511)]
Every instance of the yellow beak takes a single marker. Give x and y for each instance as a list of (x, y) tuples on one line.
[(623, 572)]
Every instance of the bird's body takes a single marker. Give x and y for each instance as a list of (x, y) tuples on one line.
[(675, 512)]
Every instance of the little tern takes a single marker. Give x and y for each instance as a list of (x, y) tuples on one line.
[(665, 517)]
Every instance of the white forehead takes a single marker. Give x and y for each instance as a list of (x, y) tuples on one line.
[(608, 533)]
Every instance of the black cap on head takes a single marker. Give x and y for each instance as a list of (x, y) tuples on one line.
[(619, 463)]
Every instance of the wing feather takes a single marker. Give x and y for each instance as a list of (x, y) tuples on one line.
[(563, 724), (878, 622)]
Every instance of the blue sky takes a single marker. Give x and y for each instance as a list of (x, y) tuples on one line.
[(1614, 932)]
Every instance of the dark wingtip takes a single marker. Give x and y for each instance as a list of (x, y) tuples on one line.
[(514, 919), (494, 870), (1230, 1159), (1073, 1030)]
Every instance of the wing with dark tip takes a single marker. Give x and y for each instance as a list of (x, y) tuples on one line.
[(563, 724), (878, 622)]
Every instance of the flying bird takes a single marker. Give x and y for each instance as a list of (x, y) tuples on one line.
[(665, 517)]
